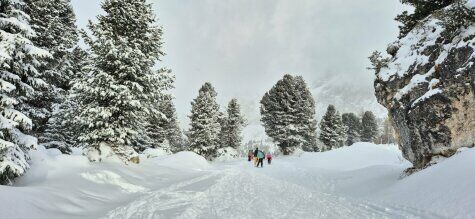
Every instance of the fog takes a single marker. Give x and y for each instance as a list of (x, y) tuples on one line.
[(244, 46)]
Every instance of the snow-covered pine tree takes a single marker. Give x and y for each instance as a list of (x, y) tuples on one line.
[(118, 97), (287, 114), (54, 24), (422, 9), (61, 132), (232, 126), (369, 127), (205, 124), (306, 115), (353, 128), (458, 16), (19, 80), (163, 131), (173, 133), (332, 129)]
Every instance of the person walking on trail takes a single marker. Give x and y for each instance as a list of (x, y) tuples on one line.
[(250, 155), (255, 156), (260, 156), (269, 157)]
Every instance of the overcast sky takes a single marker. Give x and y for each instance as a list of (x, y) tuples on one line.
[(244, 46)]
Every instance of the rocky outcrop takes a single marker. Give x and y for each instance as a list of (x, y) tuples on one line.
[(428, 86)]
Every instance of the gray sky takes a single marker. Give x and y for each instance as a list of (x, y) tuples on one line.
[(244, 46)]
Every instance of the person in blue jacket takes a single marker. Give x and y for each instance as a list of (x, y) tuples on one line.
[(260, 157)]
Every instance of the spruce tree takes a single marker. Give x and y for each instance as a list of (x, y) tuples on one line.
[(369, 127), (288, 114), (306, 115), (456, 17), (54, 24), (163, 131), (205, 124), (232, 127), (353, 128), (422, 9), (173, 133), (60, 131), (119, 96), (332, 130), (20, 79)]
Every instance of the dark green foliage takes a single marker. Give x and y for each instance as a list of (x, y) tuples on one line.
[(205, 123), (54, 24), (288, 114), (422, 9), (173, 133), (120, 95), (353, 127), (232, 126), (369, 127), (456, 17), (377, 61), (60, 131), (332, 130)]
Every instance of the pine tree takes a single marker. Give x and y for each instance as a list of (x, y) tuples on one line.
[(118, 97), (20, 79), (164, 131), (456, 17), (287, 113), (369, 127), (173, 133), (306, 115), (353, 128), (232, 126), (332, 130), (205, 124), (61, 132), (54, 24), (422, 9)]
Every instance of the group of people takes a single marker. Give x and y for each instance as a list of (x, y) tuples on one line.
[(258, 157)]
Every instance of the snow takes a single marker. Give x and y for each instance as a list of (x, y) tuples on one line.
[(427, 95), (154, 152), (361, 181), (411, 52)]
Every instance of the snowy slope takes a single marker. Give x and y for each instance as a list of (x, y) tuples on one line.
[(362, 181)]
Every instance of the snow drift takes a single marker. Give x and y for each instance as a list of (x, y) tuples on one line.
[(363, 180)]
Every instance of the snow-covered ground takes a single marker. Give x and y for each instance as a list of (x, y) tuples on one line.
[(362, 181)]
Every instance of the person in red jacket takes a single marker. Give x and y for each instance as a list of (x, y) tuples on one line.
[(269, 157)]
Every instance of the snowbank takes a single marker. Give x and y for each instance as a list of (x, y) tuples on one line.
[(358, 156), (154, 152), (184, 160), (69, 186), (365, 179)]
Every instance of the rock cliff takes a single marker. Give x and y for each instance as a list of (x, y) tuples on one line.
[(428, 87)]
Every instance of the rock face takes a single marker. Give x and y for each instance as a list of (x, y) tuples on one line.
[(428, 86)]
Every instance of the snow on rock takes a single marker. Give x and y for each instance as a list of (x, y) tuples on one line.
[(428, 88)]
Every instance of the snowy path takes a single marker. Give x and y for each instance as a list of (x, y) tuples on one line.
[(361, 181), (238, 190)]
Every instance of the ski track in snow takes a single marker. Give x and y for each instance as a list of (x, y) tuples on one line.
[(237, 190)]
